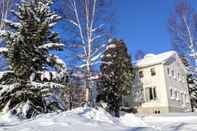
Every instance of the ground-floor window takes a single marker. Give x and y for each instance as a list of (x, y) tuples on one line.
[(150, 93)]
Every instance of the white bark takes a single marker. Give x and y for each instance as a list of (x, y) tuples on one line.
[(87, 30), (6, 4), (192, 43)]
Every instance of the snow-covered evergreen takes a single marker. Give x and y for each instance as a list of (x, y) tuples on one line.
[(117, 77), (28, 42), (192, 84)]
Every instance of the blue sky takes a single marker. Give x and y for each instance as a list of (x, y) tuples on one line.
[(142, 24)]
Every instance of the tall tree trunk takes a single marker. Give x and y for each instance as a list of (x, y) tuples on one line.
[(88, 84)]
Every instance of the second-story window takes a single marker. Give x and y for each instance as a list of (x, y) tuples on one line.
[(153, 72), (168, 71), (141, 74), (179, 78), (176, 94), (171, 93), (172, 72)]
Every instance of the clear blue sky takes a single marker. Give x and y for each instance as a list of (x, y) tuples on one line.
[(142, 24)]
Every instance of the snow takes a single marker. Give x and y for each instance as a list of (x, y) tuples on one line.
[(110, 46), (26, 107), (3, 50), (83, 119), (7, 88), (151, 59), (131, 120), (1, 74), (91, 119), (52, 45), (11, 23), (59, 63), (173, 121), (45, 75)]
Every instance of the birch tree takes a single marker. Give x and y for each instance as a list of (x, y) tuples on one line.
[(88, 22), (183, 29), (5, 7)]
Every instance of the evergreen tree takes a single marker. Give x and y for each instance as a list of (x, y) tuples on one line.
[(117, 75), (28, 44), (192, 85), (191, 82)]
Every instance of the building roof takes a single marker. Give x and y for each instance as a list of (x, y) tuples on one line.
[(154, 59)]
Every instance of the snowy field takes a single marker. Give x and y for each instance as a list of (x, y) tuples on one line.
[(87, 119), (173, 121)]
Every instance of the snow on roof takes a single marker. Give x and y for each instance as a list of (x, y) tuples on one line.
[(152, 59)]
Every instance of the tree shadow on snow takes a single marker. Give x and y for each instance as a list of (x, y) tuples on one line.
[(177, 127), (6, 125), (142, 129)]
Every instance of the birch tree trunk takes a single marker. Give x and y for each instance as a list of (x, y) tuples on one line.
[(83, 18)]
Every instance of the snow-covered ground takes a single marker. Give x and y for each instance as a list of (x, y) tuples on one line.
[(88, 119), (173, 121)]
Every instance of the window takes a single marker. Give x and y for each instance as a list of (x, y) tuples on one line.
[(150, 93), (182, 98), (171, 93), (176, 95), (172, 72), (178, 76), (141, 75), (152, 70), (168, 71), (183, 79)]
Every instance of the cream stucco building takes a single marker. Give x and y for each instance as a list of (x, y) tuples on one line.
[(163, 77)]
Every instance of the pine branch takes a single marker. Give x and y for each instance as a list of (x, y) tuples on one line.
[(56, 46)]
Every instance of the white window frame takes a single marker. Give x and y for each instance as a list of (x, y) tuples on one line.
[(154, 94)]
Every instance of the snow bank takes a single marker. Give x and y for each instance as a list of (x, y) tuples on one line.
[(131, 120), (90, 119), (94, 114), (80, 119), (7, 119)]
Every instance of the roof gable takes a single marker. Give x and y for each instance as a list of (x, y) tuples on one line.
[(151, 59)]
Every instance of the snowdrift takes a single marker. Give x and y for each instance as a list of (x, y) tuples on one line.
[(80, 119)]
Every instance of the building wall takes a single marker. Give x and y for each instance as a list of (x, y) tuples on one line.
[(158, 81), (171, 86), (176, 85)]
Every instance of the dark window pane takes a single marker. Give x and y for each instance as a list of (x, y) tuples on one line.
[(152, 70), (155, 94), (141, 75), (151, 93)]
